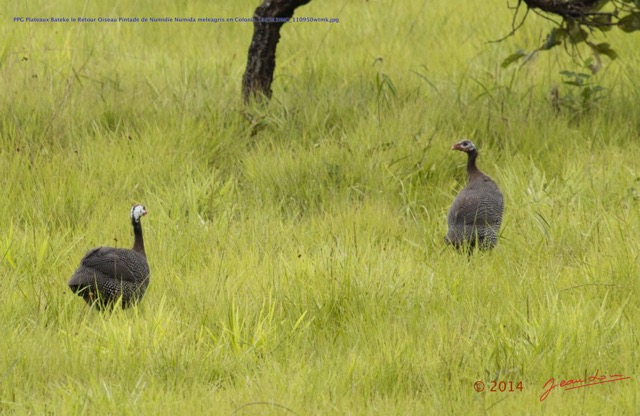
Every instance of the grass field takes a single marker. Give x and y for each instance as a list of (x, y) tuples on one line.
[(296, 249)]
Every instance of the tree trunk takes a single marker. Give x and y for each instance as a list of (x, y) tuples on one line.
[(261, 63)]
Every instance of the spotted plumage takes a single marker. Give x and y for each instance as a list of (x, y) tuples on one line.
[(106, 274), (476, 214)]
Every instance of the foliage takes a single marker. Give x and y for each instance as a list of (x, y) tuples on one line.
[(583, 94), (587, 93), (579, 20)]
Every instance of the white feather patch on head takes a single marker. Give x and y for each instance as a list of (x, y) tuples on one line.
[(137, 211)]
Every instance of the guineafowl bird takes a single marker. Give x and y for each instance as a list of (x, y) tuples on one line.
[(476, 213), (106, 273)]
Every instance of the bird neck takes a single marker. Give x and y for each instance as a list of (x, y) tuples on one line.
[(138, 242), (472, 169)]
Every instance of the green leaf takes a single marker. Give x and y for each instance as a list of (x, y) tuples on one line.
[(568, 73), (630, 22), (555, 37), (577, 34), (604, 49), (513, 58), (603, 22)]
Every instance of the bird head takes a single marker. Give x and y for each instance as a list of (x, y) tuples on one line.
[(464, 146), (137, 211)]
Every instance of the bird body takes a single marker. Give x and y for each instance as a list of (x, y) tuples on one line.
[(107, 273), (476, 214)]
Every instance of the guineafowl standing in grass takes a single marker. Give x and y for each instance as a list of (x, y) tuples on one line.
[(106, 273), (476, 213)]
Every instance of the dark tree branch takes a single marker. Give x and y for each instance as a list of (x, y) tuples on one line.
[(584, 12), (514, 26), (579, 19), (261, 62)]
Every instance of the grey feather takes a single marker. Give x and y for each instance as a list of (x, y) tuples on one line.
[(106, 274), (475, 216)]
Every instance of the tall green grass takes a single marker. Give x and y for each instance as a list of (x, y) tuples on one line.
[(297, 254)]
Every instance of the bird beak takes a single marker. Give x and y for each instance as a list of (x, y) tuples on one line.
[(455, 147)]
